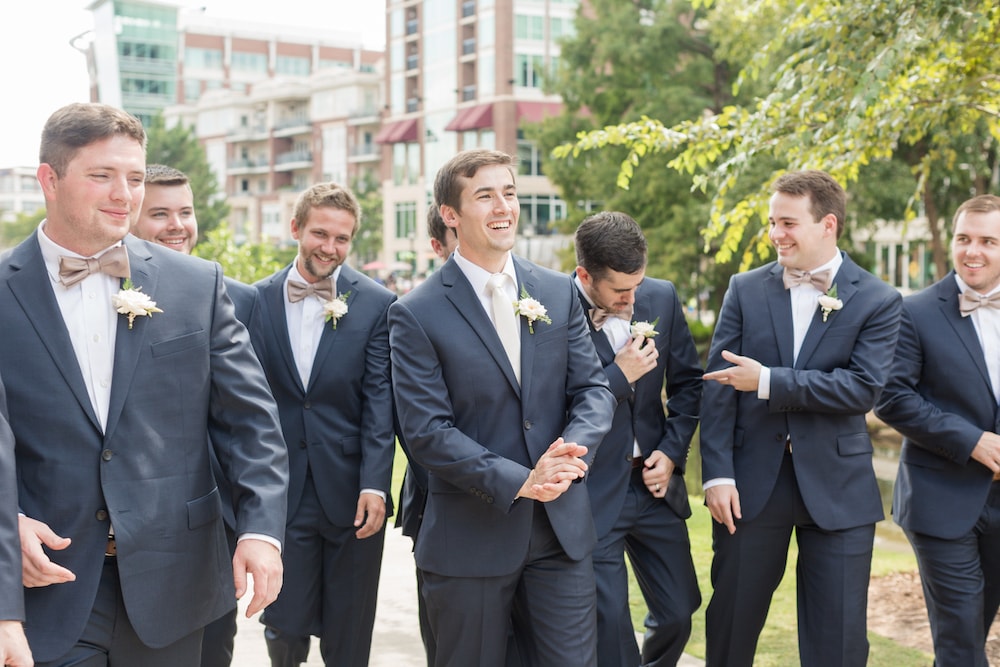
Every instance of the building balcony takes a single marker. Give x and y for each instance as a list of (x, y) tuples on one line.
[(259, 165), (254, 133), (412, 104), (293, 160), (412, 26), (468, 46), (292, 126), (468, 93), (468, 8), (366, 116), (367, 152)]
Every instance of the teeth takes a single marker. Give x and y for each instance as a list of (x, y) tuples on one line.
[(499, 225)]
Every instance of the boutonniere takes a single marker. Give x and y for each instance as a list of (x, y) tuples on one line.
[(644, 329), (829, 302), (531, 310), (132, 302), (334, 309)]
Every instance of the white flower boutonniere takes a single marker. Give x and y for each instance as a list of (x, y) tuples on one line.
[(644, 329), (531, 310), (334, 309), (829, 302), (132, 302)]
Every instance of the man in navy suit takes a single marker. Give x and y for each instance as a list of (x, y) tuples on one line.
[(13, 644), (323, 340), (942, 397), (119, 357), (800, 354), (500, 396), (168, 218), (637, 485)]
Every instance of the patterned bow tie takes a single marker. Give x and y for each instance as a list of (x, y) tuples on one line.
[(74, 269), (970, 301), (298, 291), (818, 279), (599, 316)]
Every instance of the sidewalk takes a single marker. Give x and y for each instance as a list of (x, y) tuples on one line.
[(396, 640)]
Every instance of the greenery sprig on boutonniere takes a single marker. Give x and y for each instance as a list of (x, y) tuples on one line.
[(334, 309), (829, 302), (644, 329), (132, 302), (531, 310)]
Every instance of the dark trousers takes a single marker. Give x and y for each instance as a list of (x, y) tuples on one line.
[(550, 599), (657, 544), (329, 590), (832, 575), (109, 640), (961, 582)]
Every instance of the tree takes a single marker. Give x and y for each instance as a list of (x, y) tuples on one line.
[(627, 60), (843, 85), (12, 233), (247, 262), (178, 147), (368, 241)]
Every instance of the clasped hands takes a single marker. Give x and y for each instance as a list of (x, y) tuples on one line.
[(560, 465)]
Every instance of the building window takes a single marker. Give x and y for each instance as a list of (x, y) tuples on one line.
[(406, 219), (292, 65), (529, 158), (528, 70), (249, 62), (529, 27), (195, 57), (539, 211), (192, 90)]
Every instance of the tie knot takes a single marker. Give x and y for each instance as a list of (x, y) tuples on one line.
[(818, 279), (498, 281), (970, 301), (322, 289), (114, 262), (598, 316)]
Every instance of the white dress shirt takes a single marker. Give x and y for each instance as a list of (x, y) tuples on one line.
[(987, 324), (479, 277)]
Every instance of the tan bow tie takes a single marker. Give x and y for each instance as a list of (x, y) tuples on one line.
[(298, 291), (74, 269), (599, 316), (970, 301), (818, 279)]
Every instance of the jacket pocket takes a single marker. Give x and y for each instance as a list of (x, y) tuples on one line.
[(205, 509), (853, 444), (180, 343)]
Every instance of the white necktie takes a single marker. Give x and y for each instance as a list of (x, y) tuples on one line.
[(505, 321)]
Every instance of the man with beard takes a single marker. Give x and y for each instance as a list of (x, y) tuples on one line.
[(323, 341)]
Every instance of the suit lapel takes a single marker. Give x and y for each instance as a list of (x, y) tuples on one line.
[(963, 326), (846, 281), (604, 351), (345, 283), (273, 298), (130, 342), (779, 304), (461, 295), (32, 288)]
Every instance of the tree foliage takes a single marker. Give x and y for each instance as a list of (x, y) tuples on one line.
[(12, 233), (368, 241), (836, 86), (178, 147), (246, 262)]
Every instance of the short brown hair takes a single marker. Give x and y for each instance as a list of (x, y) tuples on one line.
[(825, 194), (80, 124), (161, 174), (448, 183), (610, 241), (978, 204), (327, 195)]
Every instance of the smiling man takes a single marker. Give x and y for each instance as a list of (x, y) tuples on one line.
[(167, 216), (504, 414), (784, 440)]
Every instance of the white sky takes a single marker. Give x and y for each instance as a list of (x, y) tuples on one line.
[(40, 71)]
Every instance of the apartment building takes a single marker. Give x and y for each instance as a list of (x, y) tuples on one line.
[(19, 193)]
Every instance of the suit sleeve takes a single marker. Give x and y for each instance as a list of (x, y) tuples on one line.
[(11, 588), (378, 442), (903, 407), (684, 386), (848, 390), (252, 454)]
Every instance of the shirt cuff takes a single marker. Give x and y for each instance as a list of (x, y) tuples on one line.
[(263, 538), (718, 481), (380, 494), (764, 384)]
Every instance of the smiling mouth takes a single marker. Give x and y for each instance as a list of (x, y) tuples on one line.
[(499, 225)]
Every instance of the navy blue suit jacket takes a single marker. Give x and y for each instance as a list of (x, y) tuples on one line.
[(340, 425), (175, 374), (940, 399), (642, 415), (11, 590), (819, 401), (478, 433)]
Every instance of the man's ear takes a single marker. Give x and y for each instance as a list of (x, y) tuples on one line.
[(47, 178), (449, 215), (585, 278)]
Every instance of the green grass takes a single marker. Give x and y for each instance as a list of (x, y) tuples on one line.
[(778, 645)]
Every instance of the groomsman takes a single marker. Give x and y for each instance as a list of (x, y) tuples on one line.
[(800, 354), (501, 398), (637, 485), (323, 340), (13, 644), (942, 397)]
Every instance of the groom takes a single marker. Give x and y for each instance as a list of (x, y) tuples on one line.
[(125, 554)]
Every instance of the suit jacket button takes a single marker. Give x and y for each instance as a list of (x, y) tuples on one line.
[(527, 424), (107, 454), (101, 515), (302, 444), (489, 499), (307, 405), (778, 437)]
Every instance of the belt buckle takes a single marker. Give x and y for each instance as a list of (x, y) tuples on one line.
[(112, 549)]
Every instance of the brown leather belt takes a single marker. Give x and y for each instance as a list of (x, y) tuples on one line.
[(637, 462), (112, 550)]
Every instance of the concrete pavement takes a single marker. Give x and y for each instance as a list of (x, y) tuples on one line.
[(396, 640)]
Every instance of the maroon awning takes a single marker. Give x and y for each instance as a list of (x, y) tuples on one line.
[(399, 132), (534, 112), (471, 118)]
